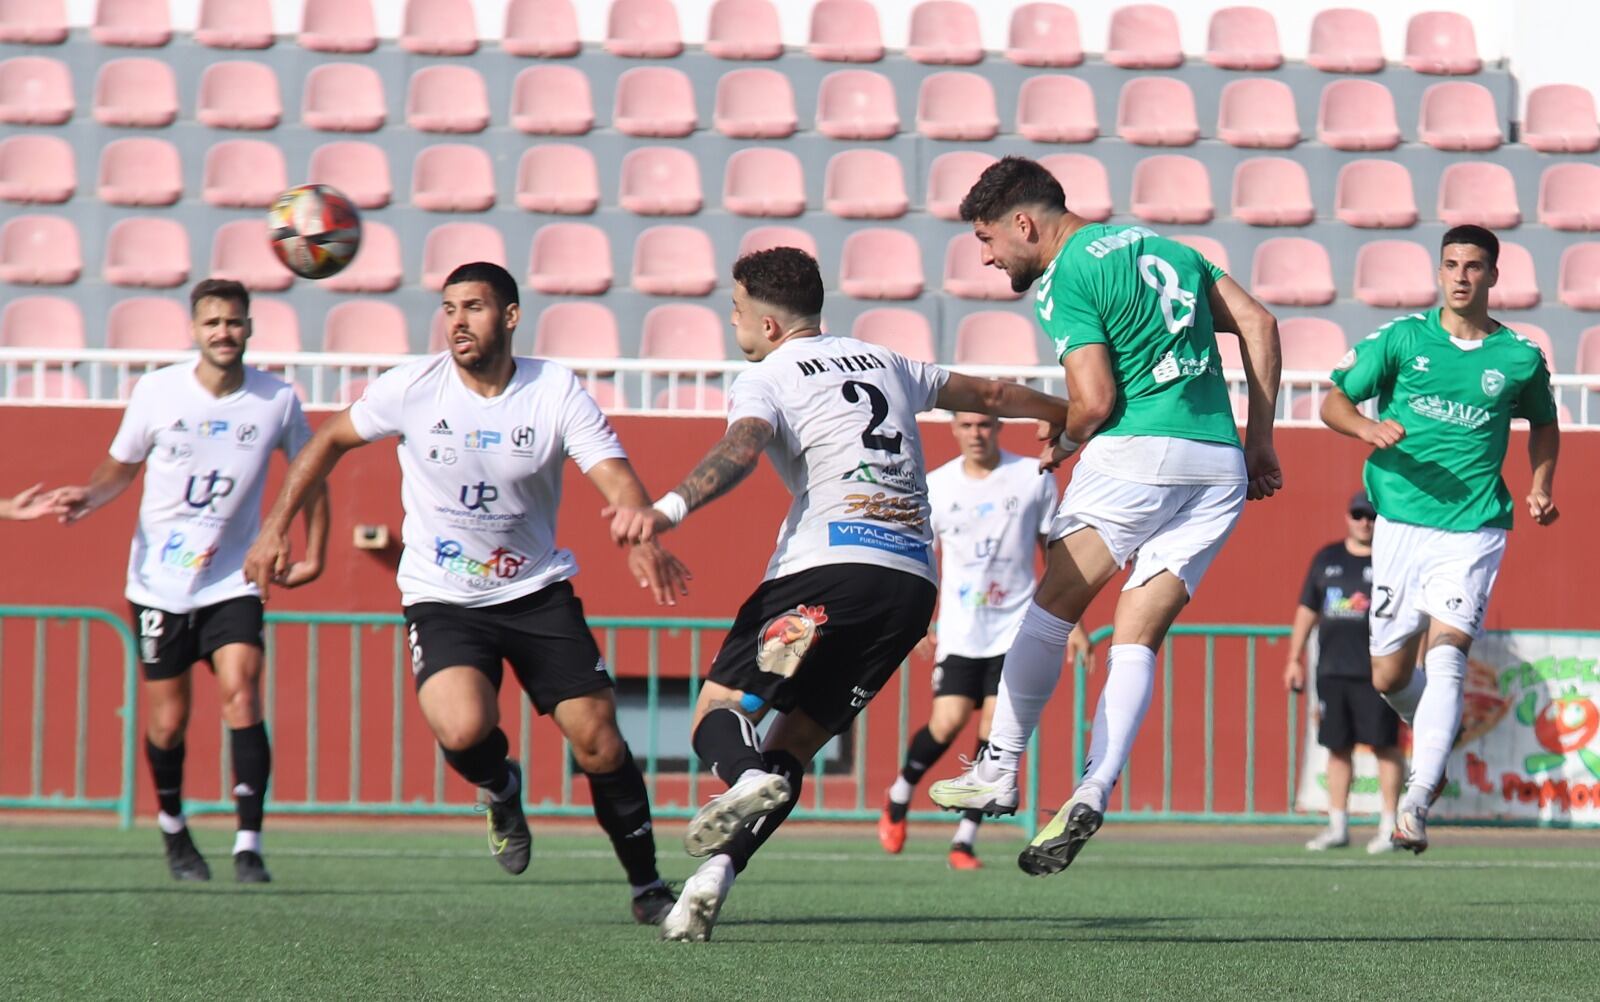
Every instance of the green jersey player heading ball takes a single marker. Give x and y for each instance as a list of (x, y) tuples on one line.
[(1448, 383)]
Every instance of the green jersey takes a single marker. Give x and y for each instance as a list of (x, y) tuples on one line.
[(1456, 406), (1147, 299)]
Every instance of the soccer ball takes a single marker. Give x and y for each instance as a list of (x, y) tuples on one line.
[(314, 229)]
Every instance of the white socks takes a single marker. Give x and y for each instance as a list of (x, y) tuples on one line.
[(966, 832), (1404, 702), (1032, 669), (1386, 823), (244, 841), (1339, 823), (1437, 717), (1130, 681), (900, 792)]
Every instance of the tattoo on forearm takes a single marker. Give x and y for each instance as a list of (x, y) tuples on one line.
[(727, 464)]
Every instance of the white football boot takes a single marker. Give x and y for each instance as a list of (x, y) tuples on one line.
[(755, 795), (695, 915)]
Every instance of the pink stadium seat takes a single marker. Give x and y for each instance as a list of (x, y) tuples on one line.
[(1459, 116), (360, 170), (1344, 40), (643, 29), (755, 104), (967, 277), (950, 177), (244, 174), (902, 331), (654, 101), (1171, 189), (1580, 276), (1292, 271), (274, 325), (1442, 42), (241, 251), (768, 237), (944, 32), (693, 398), (1157, 111), (239, 95), (338, 26), (661, 181), (1589, 352), (1209, 248), (51, 384), (447, 99), (134, 23), (1056, 109), (1044, 34), (845, 31), (453, 177), (365, 327), (1561, 119), (1310, 344), (439, 28), (674, 261), (1083, 179), (376, 267), (1375, 194), (1569, 197), (454, 244), (608, 394), (235, 24), (39, 250), (881, 264), (552, 100), (576, 330), (1144, 37), (1258, 112), (37, 169), (1395, 273), (744, 29), (570, 259), (996, 337), (541, 29), (35, 91), (682, 330), (140, 171), (148, 323), (856, 104), (1243, 38), (33, 22), (764, 181), (138, 93), (1357, 115), (1541, 338), (1477, 191), (41, 322), (1518, 288), (558, 178), (344, 97), (957, 105), (1272, 191), (149, 252)]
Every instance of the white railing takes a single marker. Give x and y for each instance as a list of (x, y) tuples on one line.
[(101, 377)]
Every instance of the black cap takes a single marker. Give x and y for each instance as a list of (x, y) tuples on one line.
[(1361, 505)]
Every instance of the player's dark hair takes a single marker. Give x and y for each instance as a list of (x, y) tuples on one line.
[(1477, 236), (219, 288), (785, 277), (495, 277), (1008, 185)]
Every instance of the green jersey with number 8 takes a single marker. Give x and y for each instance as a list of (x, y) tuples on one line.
[(1147, 299)]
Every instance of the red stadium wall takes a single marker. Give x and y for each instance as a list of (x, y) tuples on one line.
[(1256, 580)]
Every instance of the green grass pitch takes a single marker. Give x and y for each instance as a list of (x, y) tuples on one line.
[(1209, 914)]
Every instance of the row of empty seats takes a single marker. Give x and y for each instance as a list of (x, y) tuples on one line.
[(1140, 36)]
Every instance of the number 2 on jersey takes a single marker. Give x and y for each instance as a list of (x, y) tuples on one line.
[(879, 404)]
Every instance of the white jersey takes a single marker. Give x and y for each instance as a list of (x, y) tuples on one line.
[(989, 530), (205, 466), (481, 476), (846, 445)]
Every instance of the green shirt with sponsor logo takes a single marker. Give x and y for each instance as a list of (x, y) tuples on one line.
[(1456, 406), (1147, 299)]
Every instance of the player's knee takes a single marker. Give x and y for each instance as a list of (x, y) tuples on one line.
[(943, 727), (165, 726), (241, 707), (461, 733), (601, 750)]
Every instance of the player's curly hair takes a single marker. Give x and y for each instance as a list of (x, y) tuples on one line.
[(1477, 236), (219, 288), (1008, 185), (785, 277), (495, 277)]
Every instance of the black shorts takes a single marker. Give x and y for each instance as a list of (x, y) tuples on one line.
[(975, 678), (171, 642), (1353, 713), (825, 640), (543, 635)]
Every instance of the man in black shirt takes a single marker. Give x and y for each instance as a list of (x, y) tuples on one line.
[(1337, 593)]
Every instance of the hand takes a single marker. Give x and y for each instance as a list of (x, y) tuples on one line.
[(268, 562), (660, 571), (1541, 506), (926, 646), (1382, 434), (28, 505), (1294, 675), (301, 572), (1261, 467), (634, 525), (1052, 455), (69, 503), (1078, 646)]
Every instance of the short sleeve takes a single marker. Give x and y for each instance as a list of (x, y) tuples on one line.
[(380, 411), (135, 437), (1311, 591), (1537, 402), (296, 429), (1066, 309), (924, 382), (1367, 368), (751, 396), (586, 435), (1047, 501)]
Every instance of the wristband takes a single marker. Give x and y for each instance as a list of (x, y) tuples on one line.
[(673, 506), (1066, 444)]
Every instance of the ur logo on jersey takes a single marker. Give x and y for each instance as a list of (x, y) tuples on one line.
[(174, 554), (204, 491), (499, 566), (475, 496)]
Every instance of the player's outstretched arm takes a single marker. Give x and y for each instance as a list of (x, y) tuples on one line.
[(723, 468), (268, 561), (108, 480), (653, 567), (1233, 309), (1007, 399), (1339, 413), (1544, 444)]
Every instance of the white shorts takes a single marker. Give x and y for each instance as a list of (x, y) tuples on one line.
[(1160, 527), (1420, 573)]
